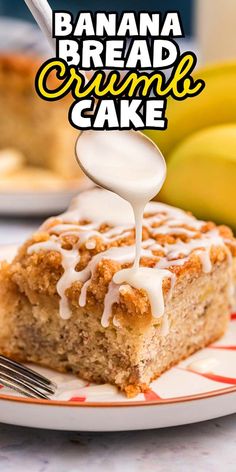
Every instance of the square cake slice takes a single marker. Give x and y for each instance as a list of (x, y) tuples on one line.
[(60, 306)]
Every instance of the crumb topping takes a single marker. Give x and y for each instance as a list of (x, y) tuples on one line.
[(77, 257)]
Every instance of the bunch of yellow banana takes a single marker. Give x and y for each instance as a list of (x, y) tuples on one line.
[(200, 147)]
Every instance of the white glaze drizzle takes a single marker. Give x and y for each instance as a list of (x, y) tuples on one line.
[(69, 261), (151, 281), (122, 254), (176, 254), (112, 296)]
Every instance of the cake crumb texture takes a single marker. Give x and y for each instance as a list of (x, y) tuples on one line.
[(133, 348)]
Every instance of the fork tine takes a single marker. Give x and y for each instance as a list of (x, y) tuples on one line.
[(13, 373), (20, 387), (12, 386), (23, 369)]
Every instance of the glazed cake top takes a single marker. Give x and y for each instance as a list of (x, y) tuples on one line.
[(82, 249)]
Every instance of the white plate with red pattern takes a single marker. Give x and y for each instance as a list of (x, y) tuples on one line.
[(200, 388)]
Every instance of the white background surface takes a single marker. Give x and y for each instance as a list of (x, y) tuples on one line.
[(204, 447), (16, 231)]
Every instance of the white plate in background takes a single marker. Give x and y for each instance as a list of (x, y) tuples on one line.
[(39, 203), (22, 36)]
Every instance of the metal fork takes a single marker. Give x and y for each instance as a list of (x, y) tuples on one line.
[(24, 380)]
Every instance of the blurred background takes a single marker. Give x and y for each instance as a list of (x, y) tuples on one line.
[(38, 172), (16, 8)]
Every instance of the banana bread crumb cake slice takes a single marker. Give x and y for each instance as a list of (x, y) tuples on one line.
[(39, 132), (60, 305)]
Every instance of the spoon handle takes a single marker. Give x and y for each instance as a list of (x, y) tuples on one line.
[(42, 13)]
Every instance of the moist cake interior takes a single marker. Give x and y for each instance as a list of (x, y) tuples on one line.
[(59, 305)]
